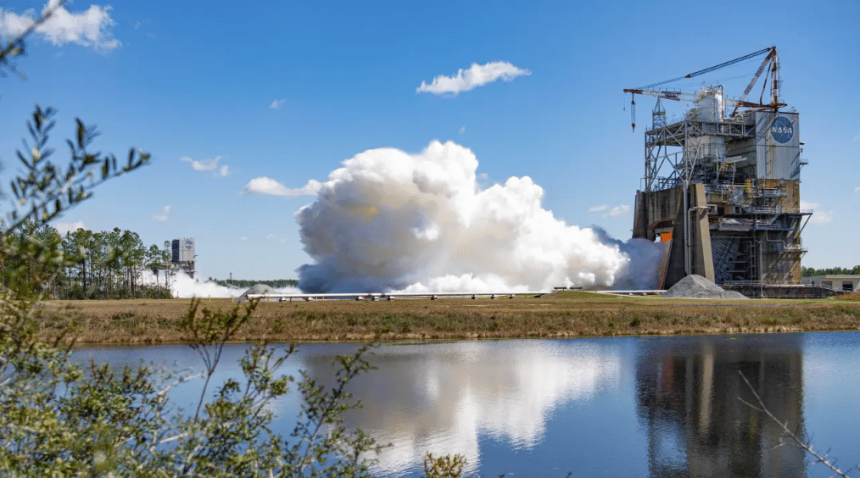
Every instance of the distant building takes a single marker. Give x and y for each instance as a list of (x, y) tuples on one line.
[(183, 257), (843, 282)]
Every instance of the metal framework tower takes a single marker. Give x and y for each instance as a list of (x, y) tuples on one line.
[(728, 184)]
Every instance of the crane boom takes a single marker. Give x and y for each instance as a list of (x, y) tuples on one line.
[(770, 56), (774, 104), (692, 97)]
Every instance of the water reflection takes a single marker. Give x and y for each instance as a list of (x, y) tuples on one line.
[(687, 400), (598, 407), (447, 398)]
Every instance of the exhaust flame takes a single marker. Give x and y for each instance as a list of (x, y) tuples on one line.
[(391, 221)]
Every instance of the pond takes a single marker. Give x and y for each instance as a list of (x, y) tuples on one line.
[(628, 406)]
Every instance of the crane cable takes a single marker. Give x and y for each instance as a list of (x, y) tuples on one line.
[(710, 69), (691, 75)]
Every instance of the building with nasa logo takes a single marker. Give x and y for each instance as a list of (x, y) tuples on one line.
[(183, 257), (724, 189)]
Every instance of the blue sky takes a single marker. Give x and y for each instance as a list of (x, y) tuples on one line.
[(288, 90)]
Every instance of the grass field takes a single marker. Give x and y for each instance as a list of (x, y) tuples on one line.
[(564, 314)]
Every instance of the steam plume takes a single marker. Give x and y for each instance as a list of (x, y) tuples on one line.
[(388, 220), (183, 286)]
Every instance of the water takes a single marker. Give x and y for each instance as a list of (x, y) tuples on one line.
[(631, 406)]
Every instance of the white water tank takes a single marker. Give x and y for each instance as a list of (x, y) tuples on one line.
[(709, 104)]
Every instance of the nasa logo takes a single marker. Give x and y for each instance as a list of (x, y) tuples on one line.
[(189, 244), (782, 130)]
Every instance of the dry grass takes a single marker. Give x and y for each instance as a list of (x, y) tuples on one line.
[(566, 314)]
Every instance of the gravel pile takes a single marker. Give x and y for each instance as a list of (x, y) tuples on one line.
[(697, 287)]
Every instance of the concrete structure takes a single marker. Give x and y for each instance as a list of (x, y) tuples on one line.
[(838, 282), (724, 189), (183, 257)]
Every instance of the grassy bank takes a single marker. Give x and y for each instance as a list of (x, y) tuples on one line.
[(566, 314)]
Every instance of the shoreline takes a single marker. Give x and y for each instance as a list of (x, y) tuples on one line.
[(560, 315)]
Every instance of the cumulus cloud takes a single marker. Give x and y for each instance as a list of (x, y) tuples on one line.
[(270, 187), (599, 208), (477, 75), (163, 215), (91, 27), (276, 104), (618, 211), (65, 227), (818, 217)]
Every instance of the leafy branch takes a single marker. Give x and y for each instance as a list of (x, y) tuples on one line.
[(46, 190), (16, 47)]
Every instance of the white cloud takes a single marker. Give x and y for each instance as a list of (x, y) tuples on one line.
[(163, 215), (223, 172), (208, 165), (137, 25), (477, 75), (276, 104), (462, 130), (243, 238), (821, 217), (65, 227), (91, 27), (857, 189), (270, 187), (818, 217), (599, 208), (618, 211), (204, 165)]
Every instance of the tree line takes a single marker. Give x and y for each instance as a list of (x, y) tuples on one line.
[(98, 265), (810, 271)]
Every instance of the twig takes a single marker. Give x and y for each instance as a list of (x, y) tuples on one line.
[(784, 425)]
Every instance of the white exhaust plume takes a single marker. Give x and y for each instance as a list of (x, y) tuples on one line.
[(183, 286), (390, 221)]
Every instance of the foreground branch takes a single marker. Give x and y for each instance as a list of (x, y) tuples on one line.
[(786, 431)]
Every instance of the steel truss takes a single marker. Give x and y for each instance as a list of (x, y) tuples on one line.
[(665, 147)]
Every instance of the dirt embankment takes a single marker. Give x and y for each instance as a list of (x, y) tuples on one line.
[(567, 314)]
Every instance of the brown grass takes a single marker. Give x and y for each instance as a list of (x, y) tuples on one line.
[(566, 314)]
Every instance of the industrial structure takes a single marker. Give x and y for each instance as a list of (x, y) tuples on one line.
[(722, 183), (183, 257)]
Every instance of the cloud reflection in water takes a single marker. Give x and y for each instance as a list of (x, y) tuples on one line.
[(443, 398)]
